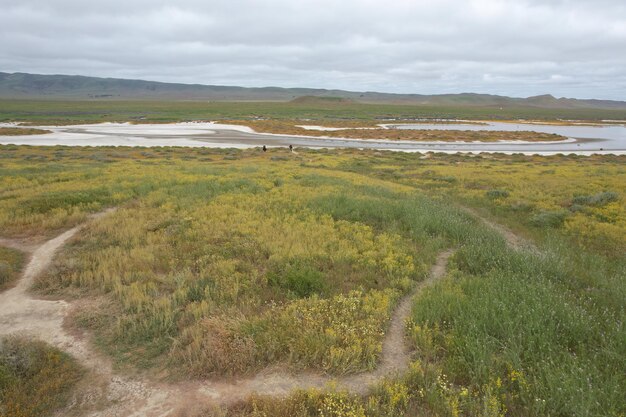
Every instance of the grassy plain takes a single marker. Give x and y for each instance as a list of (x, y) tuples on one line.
[(95, 111), (227, 261)]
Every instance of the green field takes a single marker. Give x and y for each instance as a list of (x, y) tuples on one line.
[(66, 112), (221, 263)]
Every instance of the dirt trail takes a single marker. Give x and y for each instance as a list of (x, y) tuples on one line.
[(513, 240), (396, 355), (395, 358), (19, 311), (22, 314), (112, 394)]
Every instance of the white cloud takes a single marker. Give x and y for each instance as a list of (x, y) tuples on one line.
[(519, 48)]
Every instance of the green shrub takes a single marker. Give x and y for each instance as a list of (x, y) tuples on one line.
[(576, 208), (495, 194), (298, 277), (549, 219), (600, 199), (49, 201), (35, 379), (445, 178)]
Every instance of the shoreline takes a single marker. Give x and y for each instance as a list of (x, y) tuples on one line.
[(217, 135)]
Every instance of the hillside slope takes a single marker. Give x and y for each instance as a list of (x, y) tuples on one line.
[(35, 86)]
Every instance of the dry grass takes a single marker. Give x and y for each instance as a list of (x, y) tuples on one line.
[(35, 379), (19, 131), (11, 263), (290, 127)]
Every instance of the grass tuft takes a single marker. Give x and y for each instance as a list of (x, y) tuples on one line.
[(35, 379), (11, 264)]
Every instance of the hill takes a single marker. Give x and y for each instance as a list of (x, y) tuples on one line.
[(36, 86), (322, 100)]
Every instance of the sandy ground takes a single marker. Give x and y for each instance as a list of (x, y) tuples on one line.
[(112, 394)]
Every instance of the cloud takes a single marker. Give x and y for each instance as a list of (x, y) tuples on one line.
[(518, 48)]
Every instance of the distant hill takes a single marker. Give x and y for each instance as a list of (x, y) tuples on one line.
[(22, 85), (322, 100)]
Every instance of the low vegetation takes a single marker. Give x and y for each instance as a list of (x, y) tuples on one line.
[(35, 379), (290, 127), (60, 112), (217, 264), (19, 131), (11, 263), (227, 261)]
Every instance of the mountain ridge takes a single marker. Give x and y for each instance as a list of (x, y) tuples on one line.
[(37, 86)]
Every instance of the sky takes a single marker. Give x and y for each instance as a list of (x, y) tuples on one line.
[(567, 48)]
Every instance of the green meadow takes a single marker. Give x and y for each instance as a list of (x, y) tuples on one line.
[(95, 111), (222, 263)]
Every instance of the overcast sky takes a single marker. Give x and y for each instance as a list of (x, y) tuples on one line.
[(571, 48)]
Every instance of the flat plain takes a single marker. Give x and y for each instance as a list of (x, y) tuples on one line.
[(152, 111), (224, 282)]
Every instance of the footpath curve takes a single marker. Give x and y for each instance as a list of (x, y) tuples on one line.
[(114, 394)]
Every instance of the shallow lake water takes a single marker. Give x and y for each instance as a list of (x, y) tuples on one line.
[(589, 137), (585, 140)]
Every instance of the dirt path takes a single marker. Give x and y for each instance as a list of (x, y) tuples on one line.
[(21, 313), (396, 355), (112, 394), (513, 240)]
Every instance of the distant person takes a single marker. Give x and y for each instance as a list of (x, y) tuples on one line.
[(290, 148), (264, 148)]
